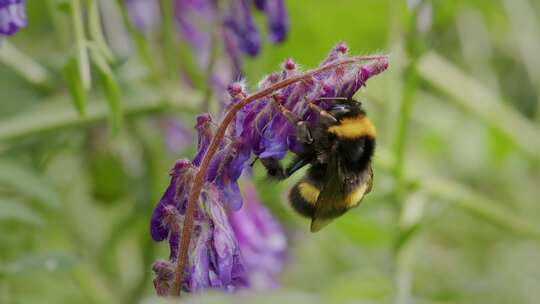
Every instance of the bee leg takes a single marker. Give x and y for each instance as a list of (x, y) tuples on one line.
[(302, 131), (254, 161), (274, 169), (296, 165), (325, 117)]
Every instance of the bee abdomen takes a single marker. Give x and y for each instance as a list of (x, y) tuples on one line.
[(303, 197)]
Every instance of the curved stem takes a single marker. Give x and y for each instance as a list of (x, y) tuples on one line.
[(214, 145)]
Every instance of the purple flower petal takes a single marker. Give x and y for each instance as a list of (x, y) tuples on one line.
[(278, 22), (160, 223), (163, 281), (227, 260), (177, 136), (259, 4), (199, 276), (241, 23), (143, 13), (195, 18), (204, 130), (261, 239), (12, 16)]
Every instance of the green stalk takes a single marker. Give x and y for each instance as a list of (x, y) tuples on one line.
[(96, 31), (403, 256), (24, 65), (404, 120), (80, 41), (142, 46), (473, 97), (60, 23), (60, 115), (169, 49)]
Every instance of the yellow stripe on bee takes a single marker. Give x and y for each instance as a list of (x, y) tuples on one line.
[(309, 192), (353, 198), (354, 128)]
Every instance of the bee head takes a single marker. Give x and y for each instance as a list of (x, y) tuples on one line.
[(346, 108)]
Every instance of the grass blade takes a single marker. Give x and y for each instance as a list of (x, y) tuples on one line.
[(75, 85), (468, 93), (28, 183), (112, 90)]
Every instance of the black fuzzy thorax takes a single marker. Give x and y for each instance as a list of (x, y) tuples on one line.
[(353, 156)]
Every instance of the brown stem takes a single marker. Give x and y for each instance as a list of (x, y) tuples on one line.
[(198, 183)]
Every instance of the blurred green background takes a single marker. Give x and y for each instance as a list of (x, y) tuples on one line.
[(454, 215)]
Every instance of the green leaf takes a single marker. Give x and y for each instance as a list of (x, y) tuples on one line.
[(406, 235), (28, 183), (462, 196), (96, 31), (75, 85), (468, 93), (141, 44), (24, 65), (80, 40), (44, 262), (112, 90), (11, 210), (59, 114)]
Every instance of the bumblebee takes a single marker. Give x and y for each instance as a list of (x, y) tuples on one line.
[(338, 148)]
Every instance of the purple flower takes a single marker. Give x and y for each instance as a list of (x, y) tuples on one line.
[(214, 257), (262, 241), (165, 216), (164, 272), (225, 170), (245, 248), (259, 4), (239, 34), (144, 14), (12, 16), (269, 133), (177, 136), (240, 21), (195, 20), (204, 131), (278, 23)]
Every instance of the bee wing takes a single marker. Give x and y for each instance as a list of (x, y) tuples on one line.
[(330, 197)]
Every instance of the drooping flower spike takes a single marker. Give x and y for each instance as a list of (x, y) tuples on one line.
[(261, 239), (12, 16), (201, 190), (236, 27)]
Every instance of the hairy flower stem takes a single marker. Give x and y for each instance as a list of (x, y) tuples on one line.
[(198, 183)]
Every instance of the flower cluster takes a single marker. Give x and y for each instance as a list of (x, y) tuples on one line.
[(262, 126), (214, 260), (261, 239), (232, 23), (235, 26), (202, 21), (246, 247), (12, 16)]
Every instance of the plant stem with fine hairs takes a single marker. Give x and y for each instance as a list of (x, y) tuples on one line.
[(198, 183)]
